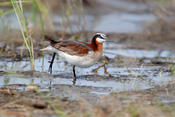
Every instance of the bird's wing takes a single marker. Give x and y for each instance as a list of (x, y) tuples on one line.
[(72, 47), (69, 47)]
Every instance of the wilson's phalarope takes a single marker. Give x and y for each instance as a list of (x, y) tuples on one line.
[(76, 53)]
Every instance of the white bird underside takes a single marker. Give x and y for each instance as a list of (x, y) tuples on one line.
[(81, 61)]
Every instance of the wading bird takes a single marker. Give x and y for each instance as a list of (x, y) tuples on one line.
[(76, 53)]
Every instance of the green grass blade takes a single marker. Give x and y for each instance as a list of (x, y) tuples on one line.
[(23, 27)]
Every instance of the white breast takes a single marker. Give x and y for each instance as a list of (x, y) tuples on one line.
[(81, 61)]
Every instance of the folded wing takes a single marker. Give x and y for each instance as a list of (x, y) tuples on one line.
[(70, 47)]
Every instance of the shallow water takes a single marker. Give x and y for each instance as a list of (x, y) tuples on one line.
[(120, 78), (121, 16)]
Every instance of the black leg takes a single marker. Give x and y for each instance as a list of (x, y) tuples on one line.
[(50, 84), (75, 78), (51, 63)]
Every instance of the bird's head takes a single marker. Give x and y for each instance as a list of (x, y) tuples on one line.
[(99, 37)]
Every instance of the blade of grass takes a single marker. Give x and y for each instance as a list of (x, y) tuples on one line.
[(24, 29)]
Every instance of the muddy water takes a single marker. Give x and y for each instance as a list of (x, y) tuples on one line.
[(120, 77)]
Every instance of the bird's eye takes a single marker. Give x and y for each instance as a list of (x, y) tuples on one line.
[(103, 36)]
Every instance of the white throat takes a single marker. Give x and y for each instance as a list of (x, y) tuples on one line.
[(100, 40)]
